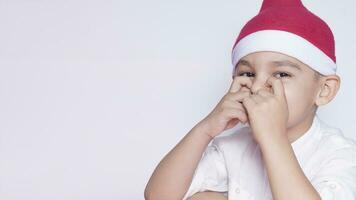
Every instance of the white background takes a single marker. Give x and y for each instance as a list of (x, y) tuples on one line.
[(93, 94)]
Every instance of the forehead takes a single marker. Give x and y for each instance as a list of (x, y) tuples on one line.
[(274, 59)]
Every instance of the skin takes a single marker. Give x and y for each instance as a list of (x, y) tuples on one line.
[(317, 89), (280, 110), (208, 195), (291, 112)]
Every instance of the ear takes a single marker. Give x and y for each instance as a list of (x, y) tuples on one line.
[(329, 86)]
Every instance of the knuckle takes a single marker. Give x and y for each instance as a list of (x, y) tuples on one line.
[(239, 111), (270, 100), (226, 96), (264, 104), (244, 100), (225, 103), (223, 109)]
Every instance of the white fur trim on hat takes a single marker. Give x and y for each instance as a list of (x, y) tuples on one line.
[(286, 43)]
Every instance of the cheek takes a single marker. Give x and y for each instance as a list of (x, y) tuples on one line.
[(295, 93), (296, 98)]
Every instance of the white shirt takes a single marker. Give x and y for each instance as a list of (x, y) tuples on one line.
[(233, 164)]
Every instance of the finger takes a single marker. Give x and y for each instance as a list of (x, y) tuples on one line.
[(277, 86), (234, 104), (239, 96), (237, 113), (264, 93), (238, 82), (257, 98), (248, 103)]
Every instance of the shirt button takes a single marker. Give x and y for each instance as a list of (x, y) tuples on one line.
[(237, 190), (332, 186)]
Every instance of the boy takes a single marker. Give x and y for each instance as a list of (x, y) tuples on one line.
[(284, 68)]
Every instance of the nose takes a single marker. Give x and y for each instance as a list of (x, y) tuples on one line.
[(260, 84)]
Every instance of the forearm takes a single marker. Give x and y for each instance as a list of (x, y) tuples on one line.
[(286, 178), (173, 175), (208, 195)]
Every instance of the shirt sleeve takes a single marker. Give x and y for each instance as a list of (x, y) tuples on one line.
[(336, 179), (210, 173)]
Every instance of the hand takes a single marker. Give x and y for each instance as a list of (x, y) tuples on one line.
[(268, 111), (208, 195), (229, 111)]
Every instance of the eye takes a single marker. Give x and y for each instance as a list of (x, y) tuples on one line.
[(243, 73), (283, 74)]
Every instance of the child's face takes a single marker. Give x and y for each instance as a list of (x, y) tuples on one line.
[(301, 86)]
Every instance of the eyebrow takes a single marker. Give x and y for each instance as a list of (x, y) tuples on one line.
[(278, 63)]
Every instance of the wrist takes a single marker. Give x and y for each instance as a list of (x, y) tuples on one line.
[(203, 128), (274, 140)]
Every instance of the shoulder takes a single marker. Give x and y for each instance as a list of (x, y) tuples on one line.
[(334, 146), (333, 138)]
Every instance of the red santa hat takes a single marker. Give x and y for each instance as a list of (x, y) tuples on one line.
[(287, 27)]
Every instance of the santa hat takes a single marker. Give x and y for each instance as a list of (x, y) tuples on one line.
[(287, 27)]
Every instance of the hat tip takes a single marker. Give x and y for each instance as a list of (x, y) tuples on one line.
[(277, 3)]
